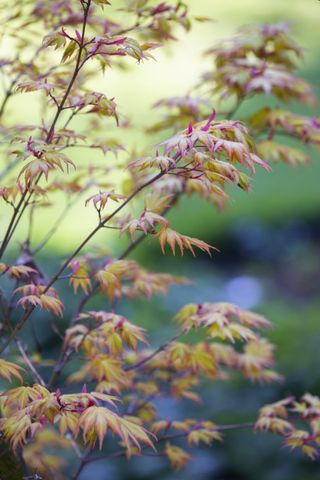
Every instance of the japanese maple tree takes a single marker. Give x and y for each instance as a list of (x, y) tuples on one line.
[(58, 48)]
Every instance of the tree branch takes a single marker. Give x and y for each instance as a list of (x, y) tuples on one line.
[(36, 375), (164, 438), (55, 277), (160, 349), (12, 225)]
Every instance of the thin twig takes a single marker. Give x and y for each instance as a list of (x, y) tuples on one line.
[(36, 375), (66, 355), (55, 277), (164, 438), (16, 217), (156, 352), (74, 445)]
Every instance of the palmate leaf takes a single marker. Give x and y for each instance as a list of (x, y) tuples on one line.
[(44, 301), (173, 239), (18, 271), (24, 395), (44, 160), (34, 295), (301, 439), (224, 320), (204, 435), (177, 456), (258, 59), (101, 3), (151, 283), (275, 152), (297, 421), (80, 277), (217, 140), (307, 129), (33, 86), (146, 223), (69, 51), (54, 39), (113, 332), (196, 358), (163, 162), (9, 370), (100, 199), (17, 429), (96, 421), (203, 159), (109, 282)]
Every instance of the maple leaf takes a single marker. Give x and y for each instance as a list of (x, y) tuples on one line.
[(33, 295), (157, 203), (28, 300), (109, 282), (44, 160), (258, 59), (101, 3), (23, 396), (232, 332), (278, 408), (54, 39), (51, 302), (272, 417), (95, 421), (220, 320), (80, 277), (205, 434), (68, 421), (69, 51), (17, 429), (19, 271), (179, 352), (9, 370), (305, 128), (274, 424), (9, 192), (112, 331), (102, 367), (33, 169), (75, 336), (133, 433), (252, 319), (202, 359), (173, 238), (150, 283), (181, 387), (257, 355), (178, 458), (100, 199), (275, 152), (146, 223), (181, 110), (163, 162), (34, 85), (111, 275)]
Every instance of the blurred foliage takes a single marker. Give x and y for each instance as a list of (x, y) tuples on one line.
[(270, 249)]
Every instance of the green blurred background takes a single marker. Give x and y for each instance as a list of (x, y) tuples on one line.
[(269, 260)]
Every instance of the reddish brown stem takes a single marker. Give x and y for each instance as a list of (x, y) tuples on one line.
[(13, 223), (30, 310)]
